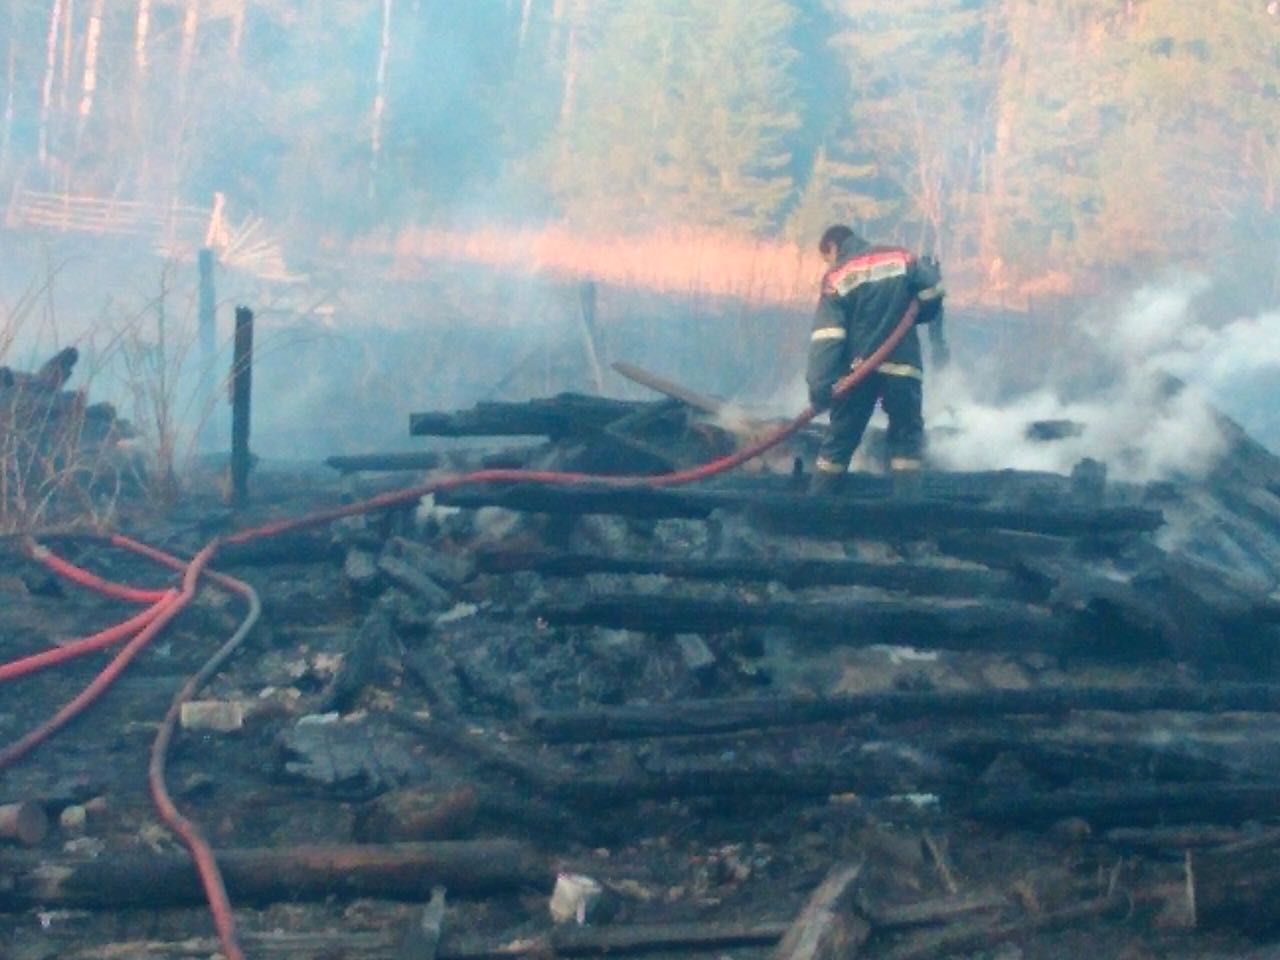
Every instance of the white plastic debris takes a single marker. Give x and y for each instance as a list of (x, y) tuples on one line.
[(457, 612), (574, 898), (217, 716)]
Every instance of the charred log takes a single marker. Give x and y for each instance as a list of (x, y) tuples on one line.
[(384, 462), (1237, 886), (830, 927), (565, 415), (402, 871), (828, 517), (993, 626), (729, 715), (1134, 804), (909, 578)]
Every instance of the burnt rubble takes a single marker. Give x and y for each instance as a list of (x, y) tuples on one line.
[(1022, 715), (59, 453)]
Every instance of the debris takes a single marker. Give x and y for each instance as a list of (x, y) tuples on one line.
[(697, 656), (414, 582), (73, 819), (830, 926), (281, 874), (575, 898), (23, 823), (422, 938), (384, 462), (415, 814), (213, 716)]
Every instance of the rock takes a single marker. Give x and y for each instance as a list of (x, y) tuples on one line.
[(356, 755)]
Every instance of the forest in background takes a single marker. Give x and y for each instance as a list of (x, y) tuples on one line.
[(1056, 146)]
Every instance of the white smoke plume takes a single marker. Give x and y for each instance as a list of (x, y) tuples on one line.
[(1131, 423)]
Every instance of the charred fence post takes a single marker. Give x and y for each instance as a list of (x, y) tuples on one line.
[(241, 388), (208, 330)]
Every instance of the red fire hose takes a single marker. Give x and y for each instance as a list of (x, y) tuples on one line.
[(168, 604)]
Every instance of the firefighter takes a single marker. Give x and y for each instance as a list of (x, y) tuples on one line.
[(865, 293)]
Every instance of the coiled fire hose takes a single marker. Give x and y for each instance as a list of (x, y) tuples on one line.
[(165, 605)]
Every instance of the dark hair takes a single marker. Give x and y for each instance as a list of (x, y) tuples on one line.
[(833, 237)]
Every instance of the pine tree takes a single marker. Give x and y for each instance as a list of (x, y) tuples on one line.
[(918, 96), (683, 116)]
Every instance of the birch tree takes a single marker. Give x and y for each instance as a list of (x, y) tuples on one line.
[(89, 85), (50, 72), (380, 94)]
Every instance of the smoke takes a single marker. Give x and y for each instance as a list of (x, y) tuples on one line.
[(1127, 418)]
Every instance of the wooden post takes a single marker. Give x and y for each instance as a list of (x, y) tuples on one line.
[(241, 388), (590, 334), (208, 331)]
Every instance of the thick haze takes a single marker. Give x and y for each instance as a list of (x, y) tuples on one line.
[(1065, 159)]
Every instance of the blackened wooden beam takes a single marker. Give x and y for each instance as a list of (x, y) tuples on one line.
[(1133, 804), (565, 415), (935, 581), (562, 941), (1238, 886), (241, 394), (393, 871), (728, 715), (384, 462), (827, 517), (997, 625)]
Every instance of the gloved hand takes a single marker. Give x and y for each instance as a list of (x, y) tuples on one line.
[(820, 397)]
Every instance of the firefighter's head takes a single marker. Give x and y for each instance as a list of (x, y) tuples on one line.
[(833, 238)]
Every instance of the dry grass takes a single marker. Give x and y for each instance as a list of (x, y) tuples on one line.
[(693, 261), (674, 261), (61, 460)]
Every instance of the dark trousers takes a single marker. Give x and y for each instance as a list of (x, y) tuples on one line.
[(902, 399)]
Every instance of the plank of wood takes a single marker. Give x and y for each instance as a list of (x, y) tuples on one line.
[(825, 517), (262, 875), (937, 581), (830, 926), (727, 715), (996, 625)]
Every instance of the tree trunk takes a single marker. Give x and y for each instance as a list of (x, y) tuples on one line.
[(50, 72), (237, 28), (68, 22), (396, 871), (142, 27), (379, 96), (10, 72), (89, 84), (569, 96), (190, 29), (526, 10)]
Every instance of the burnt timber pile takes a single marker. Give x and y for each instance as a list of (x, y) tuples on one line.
[(58, 451), (1026, 714)]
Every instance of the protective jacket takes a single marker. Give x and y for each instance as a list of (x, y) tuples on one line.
[(863, 297)]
